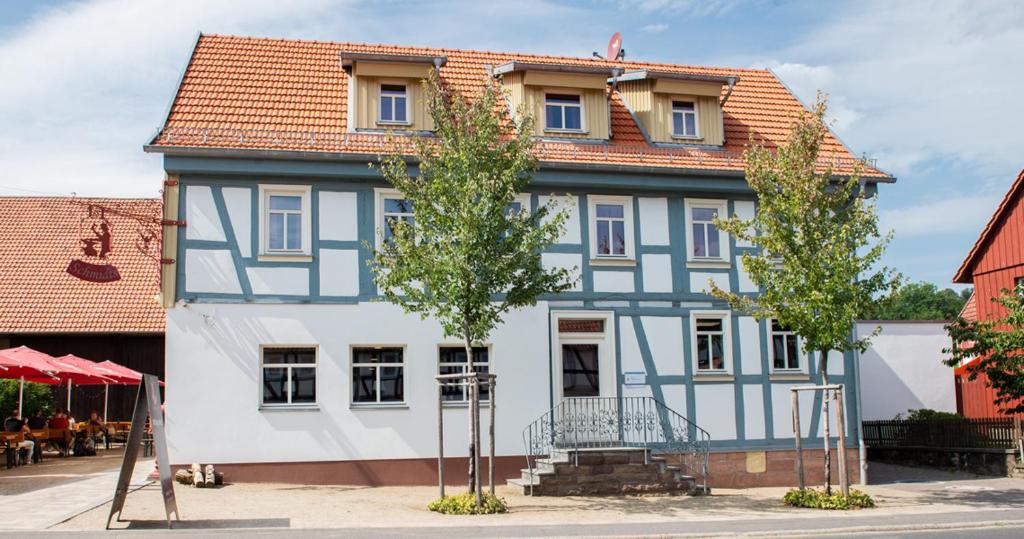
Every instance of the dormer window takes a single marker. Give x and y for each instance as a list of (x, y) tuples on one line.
[(394, 104), (684, 119), (563, 112)]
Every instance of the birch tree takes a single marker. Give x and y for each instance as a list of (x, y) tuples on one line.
[(819, 247)]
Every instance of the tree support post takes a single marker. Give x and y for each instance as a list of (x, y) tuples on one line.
[(795, 404), (440, 437), (844, 480), (490, 433)]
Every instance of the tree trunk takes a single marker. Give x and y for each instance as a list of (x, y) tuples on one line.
[(471, 410), (825, 423)]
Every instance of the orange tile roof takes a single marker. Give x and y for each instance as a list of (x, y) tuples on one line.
[(290, 95), (39, 236), (963, 274), (970, 310)]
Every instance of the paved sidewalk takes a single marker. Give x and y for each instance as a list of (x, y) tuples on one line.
[(42, 508)]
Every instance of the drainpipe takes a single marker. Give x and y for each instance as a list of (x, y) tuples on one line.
[(862, 451), (728, 92)]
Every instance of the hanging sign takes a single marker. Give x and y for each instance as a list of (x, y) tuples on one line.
[(95, 242)]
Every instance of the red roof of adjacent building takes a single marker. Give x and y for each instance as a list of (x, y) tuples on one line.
[(970, 309), (290, 95), (40, 236), (1013, 197)]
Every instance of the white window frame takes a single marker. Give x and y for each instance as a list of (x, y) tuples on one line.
[(351, 368), (723, 260), (316, 369), (265, 192), (379, 216), (380, 103), (727, 357), (465, 390), (627, 217), (582, 107), (672, 118), (800, 356)]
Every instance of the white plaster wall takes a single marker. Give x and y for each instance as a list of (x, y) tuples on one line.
[(213, 388), (657, 273), (339, 272), (716, 410), (210, 271), (699, 281), (283, 281), (338, 216), (750, 345), (630, 357), (613, 281), (745, 284), (836, 363), (903, 369), (653, 221), (665, 339), (744, 209), (675, 397), (782, 416), (201, 214), (238, 201), (569, 261), (571, 234), (753, 412)]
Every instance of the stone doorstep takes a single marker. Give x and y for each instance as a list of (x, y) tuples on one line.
[(603, 471)]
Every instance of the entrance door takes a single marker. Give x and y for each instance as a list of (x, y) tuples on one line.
[(588, 411)]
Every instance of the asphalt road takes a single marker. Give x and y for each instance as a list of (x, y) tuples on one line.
[(997, 524)]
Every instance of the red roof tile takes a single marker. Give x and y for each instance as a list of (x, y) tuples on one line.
[(970, 310), (39, 236), (1015, 194), (277, 94)]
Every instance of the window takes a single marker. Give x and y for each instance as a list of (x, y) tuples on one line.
[(452, 360), (394, 103), (684, 119), (705, 242), (563, 112), (711, 346), (611, 227), (289, 376), (285, 223), (395, 210), (1019, 281), (378, 375), (785, 348)]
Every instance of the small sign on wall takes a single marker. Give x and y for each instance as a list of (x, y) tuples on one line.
[(636, 378)]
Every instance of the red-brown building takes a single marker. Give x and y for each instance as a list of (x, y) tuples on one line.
[(44, 307), (995, 262)]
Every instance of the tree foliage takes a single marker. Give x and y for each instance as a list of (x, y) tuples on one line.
[(819, 245), (37, 397), (999, 343), (918, 301), (466, 259)]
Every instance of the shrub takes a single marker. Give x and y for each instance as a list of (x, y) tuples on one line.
[(816, 499), (924, 414), (465, 504)]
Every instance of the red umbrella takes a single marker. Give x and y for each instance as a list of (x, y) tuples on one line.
[(122, 374), (83, 372), (23, 363)]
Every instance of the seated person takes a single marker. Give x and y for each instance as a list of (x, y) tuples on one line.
[(60, 430), (37, 421), (14, 423), (97, 424)]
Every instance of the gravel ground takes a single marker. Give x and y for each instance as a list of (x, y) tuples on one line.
[(56, 470)]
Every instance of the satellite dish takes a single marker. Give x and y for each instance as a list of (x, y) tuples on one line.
[(615, 47)]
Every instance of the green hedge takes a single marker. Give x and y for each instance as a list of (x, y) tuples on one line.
[(465, 504), (816, 499)]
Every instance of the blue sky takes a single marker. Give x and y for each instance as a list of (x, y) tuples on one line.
[(929, 89)]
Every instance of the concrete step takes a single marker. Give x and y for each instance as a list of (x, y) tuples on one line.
[(627, 470)]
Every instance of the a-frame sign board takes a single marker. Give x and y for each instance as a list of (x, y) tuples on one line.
[(146, 403)]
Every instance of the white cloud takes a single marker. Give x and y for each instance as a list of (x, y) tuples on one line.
[(954, 214), (655, 28), (697, 8)]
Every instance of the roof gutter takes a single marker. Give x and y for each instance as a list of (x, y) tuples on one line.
[(732, 84)]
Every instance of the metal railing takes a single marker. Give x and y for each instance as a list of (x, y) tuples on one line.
[(635, 422)]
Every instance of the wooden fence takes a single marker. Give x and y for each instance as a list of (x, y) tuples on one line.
[(986, 433)]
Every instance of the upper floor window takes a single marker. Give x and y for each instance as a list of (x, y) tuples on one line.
[(452, 360), (704, 241), (785, 348), (611, 226), (684, 119), (289, 376), (563, 112), (378, 375), (1019, 281), (394, 104), (711, 341), (285, 219)]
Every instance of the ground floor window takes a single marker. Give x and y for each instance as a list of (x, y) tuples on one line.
[(710, 339), (785, 348), (378, 375), (452, 360), (289, 375)]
